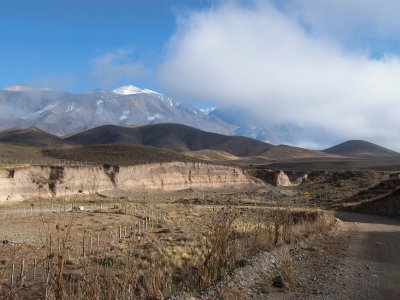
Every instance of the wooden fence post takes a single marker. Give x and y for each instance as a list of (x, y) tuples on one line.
[(34, 268), (12, 274), (22, 270)]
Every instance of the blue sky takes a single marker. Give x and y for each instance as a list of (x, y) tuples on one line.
[(54, 42), (330, 64)]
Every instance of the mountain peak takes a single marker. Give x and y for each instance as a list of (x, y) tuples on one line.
[(132, 90)]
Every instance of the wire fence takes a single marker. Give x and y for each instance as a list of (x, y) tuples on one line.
[(32, 269)]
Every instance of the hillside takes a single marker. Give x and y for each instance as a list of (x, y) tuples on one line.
[(121, 155), (362, 149), (288, 152), (11, 153), (174, 137), (30, 137)]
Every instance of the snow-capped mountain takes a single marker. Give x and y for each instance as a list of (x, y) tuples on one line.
[(63, 113)]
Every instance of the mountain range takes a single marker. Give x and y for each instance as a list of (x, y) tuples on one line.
[(63, 113)]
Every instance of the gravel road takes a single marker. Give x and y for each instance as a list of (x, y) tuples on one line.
[(361, 263)]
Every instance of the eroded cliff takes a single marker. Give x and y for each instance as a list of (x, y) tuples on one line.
[(56, 181)]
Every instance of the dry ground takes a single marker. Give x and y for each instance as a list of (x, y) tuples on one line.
[(163, 234), (359, 261)]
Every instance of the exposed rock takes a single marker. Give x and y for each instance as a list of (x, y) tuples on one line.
[(281, 179), (34, 181)]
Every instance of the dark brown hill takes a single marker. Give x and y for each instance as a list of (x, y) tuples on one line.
[(362, 149), (31, 137), (174, 137)]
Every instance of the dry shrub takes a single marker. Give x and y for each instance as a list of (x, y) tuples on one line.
[(230, 244), (288, 273), (233, 238), (220, 256)]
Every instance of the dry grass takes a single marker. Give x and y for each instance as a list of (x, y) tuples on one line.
[(169, 268)]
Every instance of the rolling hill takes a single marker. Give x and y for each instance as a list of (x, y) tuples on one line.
[(174, 137), (31, 137), (362, 149)]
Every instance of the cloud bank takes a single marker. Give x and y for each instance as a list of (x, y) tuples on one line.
[(267, 59), (348, 19)]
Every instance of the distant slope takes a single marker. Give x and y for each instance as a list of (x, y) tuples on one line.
[(30, 137), (175, 137), (212, 155), (288, 152), (275, 153), (362, 149), (11, 153), (116, 154)]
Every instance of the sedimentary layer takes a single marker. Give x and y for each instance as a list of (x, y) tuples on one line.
[(27, 182)]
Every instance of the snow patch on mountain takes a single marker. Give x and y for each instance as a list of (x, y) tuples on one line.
[(124, 115), (70, 107), (154, 117), (47, 108), (168, 100), (99, 107), (132, 90), (207, 111)]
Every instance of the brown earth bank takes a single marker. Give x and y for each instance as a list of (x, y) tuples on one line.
[(26, 182)]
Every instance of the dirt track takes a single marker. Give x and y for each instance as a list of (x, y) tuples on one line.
[(362, 263)]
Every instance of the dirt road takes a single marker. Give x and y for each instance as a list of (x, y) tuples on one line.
[(362, 263)]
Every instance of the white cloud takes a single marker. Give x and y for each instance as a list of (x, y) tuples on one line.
[(116, 65), (348, 18), (264, 59)]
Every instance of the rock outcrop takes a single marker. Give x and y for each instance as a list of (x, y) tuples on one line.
[(55, 181), (279, 178)]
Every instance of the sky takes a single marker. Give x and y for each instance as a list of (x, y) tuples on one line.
[(329, 64), (73, 44)]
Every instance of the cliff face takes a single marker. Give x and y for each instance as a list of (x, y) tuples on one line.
[(55, 181)]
